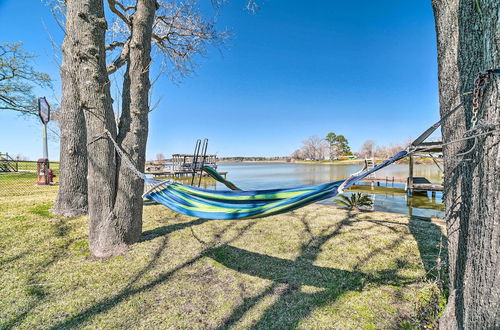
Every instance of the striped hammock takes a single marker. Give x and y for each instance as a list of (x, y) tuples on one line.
[(237, 204)]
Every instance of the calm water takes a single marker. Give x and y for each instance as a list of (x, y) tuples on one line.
[(249, 176)]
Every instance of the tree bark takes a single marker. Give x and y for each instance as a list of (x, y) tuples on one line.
[(113, 190), (468, 36), (133, 126), (72, 195), (94, 98)]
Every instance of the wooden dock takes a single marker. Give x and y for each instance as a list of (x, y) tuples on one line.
[(178, 173), (387, 180), (420, 184), (417, 185), (181, 165)]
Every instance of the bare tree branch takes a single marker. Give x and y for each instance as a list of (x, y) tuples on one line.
[(123, 16), (115, 44), (120, 60), (179, 34)]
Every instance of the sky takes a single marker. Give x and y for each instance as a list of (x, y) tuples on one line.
[(365, 69)]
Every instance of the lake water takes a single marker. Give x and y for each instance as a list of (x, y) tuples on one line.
[(250, 176)]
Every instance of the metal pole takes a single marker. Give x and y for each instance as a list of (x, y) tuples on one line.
[(205, 147), (195, 159), (44, 137)]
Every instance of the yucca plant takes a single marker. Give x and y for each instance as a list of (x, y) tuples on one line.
[(356, 200)]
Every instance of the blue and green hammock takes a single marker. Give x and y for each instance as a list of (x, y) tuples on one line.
[(238, 204)]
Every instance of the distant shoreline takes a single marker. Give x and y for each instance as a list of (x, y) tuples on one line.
[(418, 161), (254, 161)]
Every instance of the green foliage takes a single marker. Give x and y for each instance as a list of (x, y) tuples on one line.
[(81, 247), (356, 200), (338, 144), (331, 138), (17, 79)]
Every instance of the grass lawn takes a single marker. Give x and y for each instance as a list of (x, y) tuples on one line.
[(317, 267), (31, 166)]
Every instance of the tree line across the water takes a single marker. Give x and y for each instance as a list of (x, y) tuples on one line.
[(336, 146)]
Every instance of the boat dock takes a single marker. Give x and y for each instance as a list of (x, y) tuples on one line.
[(183, 165), (178, 173), (420, 184), (412, 184), (387, 180)]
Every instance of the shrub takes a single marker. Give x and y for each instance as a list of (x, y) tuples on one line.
[(356, 200)]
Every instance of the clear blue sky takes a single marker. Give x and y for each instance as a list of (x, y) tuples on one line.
[(366, 69)]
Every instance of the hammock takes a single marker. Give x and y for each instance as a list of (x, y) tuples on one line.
[(237, 204)]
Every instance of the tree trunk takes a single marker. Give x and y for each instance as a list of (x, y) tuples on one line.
[(114, 191), (72, 196), (133, 126), (104, 231), (468, 35)]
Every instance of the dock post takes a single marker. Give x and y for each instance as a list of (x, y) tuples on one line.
[(410, 175)]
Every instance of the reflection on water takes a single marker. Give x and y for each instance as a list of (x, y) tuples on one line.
[(396, 200), (250, 176)]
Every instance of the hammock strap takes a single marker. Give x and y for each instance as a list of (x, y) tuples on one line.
[(479, 83), (434, 127), (125, 159)]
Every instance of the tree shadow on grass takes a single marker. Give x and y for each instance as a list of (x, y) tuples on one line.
[(164, 230), (288, 276), (5, 261), (34, 287), (432, 245), (129, 289), (292, 304)]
